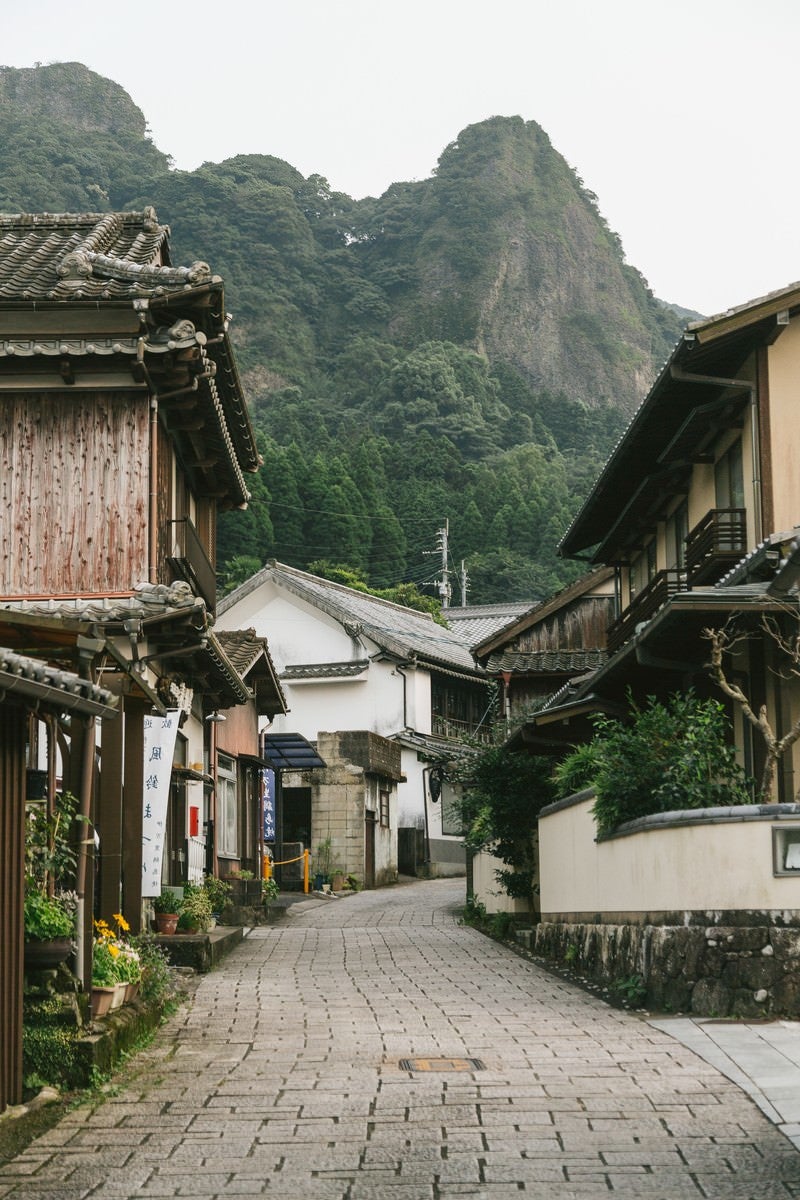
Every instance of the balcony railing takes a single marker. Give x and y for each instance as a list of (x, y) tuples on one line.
[(715, 545), (450, 727), (644, 606), (189, 560)]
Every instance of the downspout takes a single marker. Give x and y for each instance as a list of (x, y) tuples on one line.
[(399, 671), (153, 519), (85, 814), (755, 442)]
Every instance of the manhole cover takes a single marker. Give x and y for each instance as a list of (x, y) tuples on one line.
[(441, 1064)]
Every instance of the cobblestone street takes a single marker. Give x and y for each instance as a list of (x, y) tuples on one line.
[(284, 1077)]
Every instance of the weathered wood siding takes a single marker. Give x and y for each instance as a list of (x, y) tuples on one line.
[(581, 626), (73, 493)]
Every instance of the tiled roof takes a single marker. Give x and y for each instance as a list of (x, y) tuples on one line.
[(146, 600), (84, 256), (399, 631), (340, 670), (245, 651), (475, 623), (545, 661), (34, 681)]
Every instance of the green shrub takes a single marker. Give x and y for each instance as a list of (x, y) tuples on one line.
[(577, 771), (670, 756), (157, 976), (219, 892), (45, 918)]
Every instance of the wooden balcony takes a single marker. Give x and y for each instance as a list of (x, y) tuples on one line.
[(190, 561), (644, 606), (450, 727), (715, 545)]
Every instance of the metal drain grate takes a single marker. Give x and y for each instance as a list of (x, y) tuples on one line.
[(441, 1064)]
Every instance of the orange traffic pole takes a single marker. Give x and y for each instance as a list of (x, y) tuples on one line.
[(305, 871), (267, 872)]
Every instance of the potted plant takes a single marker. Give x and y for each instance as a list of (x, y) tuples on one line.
[(105, 976), (49, 929), (195, 913), (219, 895), (166, 909), (49, 919)]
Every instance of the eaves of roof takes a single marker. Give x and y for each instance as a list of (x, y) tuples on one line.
[(37, 685), (540, 612), (544, 662), (402, 632), (713, 348)]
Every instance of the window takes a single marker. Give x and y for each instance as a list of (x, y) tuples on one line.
[(677, 531), (729, 478), (227, 822), (384, 809)]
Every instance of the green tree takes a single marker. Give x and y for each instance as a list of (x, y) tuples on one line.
[(504, 792)]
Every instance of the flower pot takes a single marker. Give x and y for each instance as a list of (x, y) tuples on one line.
[(166, 922), (131, 992), (101, 1000), (43, 956), (119, 995)]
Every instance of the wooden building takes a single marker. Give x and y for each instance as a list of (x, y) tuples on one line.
[(123, 432)]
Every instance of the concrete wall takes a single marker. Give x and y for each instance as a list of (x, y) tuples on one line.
[(688, 910), (694, 863), (488, 892)]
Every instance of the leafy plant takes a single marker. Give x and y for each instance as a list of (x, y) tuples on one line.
[(157, 977), (105, 972), (503, 794), (46, 918), (218, 892), (632, 989), (195, 910), (269, 892), (578, 770), (673, 755), (474, 912), (166, 902), (50, 856)]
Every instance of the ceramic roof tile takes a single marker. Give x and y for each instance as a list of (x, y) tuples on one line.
[(399, 631), (545, 661), (84, 256), (37, 681)]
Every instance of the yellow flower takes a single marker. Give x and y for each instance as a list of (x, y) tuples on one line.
[(123, 924), (114, 949)]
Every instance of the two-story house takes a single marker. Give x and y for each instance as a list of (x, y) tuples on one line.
[(697, 510), (351, 663), (123, 431)]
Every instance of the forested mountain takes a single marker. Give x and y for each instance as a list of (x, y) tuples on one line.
[(466, 347)]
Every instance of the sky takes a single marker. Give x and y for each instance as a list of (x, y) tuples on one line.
[(680, 115)]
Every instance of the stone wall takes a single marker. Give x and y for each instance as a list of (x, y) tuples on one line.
[(725, 964)]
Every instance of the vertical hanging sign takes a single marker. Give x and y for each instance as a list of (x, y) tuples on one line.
[(159, 746), (269, 804)]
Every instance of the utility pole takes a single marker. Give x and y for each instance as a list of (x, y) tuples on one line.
[(445, 590), (464, 584)]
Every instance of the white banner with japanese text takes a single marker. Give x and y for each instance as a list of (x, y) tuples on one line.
[(159, 746)]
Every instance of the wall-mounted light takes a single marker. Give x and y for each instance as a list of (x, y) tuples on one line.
[(216, 717)]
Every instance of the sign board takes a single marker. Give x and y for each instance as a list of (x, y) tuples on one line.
[(268, 778), (159, 746)]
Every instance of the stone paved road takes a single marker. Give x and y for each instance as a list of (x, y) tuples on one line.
[(283, 1079)]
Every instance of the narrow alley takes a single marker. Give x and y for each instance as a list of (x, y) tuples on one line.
[(374, 1047)]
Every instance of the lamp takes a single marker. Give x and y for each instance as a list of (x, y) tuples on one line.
[(216, 717)]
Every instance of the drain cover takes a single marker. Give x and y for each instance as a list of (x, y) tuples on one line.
[(441, 1064)]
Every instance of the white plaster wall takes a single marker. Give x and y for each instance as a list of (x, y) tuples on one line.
[(784, 405), (410, 795), (296, 631), (487, 890), (699, 867)]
